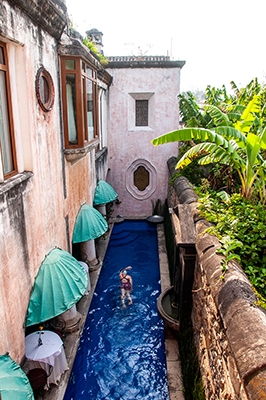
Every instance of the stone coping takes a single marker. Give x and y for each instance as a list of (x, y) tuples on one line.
[(243, 320)]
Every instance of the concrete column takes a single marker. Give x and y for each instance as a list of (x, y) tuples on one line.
[(72, 319), (88, 254), (102, 209)]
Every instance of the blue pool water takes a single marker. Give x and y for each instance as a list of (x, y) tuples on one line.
[(121, 353)]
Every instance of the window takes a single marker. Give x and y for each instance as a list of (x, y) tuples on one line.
[(80, 106), (142, 112), (7, 144), (45, 89), (141, 178)]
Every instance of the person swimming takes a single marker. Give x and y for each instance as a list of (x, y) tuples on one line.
[(126, 286)]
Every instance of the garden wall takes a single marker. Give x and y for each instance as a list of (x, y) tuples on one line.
[(229, 326)]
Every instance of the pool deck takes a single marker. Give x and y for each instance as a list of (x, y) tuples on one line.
[(174, 373)]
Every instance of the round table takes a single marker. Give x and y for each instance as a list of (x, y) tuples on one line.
[(49, 353)]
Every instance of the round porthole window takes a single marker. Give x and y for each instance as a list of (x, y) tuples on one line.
[(45, 89)]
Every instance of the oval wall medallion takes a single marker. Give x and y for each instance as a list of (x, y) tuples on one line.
[(141, 179), (45, 89)]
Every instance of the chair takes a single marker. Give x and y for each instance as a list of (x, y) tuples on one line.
[(58, 325), (37, 378)]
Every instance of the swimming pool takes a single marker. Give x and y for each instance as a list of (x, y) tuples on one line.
[(121, 353)]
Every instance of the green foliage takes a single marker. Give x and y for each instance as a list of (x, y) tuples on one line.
[(235, 135), (230, 136), (241, 229), (193, 172), (190, 111), (88, 43)]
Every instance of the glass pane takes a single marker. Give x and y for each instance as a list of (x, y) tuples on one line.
[(2, 59), (142, 111), (71, 108), (70, 64), (5, 135), (88, 70), (89, 93), (44, 89)]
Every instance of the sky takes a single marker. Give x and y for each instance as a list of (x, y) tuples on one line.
[(220, 41)]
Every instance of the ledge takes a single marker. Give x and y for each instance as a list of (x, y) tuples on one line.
[(244, 321), (101, 154), (50, 15), (72, 46), (74, 155), (14, 181), (144, 62)]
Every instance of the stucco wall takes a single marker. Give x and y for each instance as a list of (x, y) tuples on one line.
[(131, 146), (38, 208)]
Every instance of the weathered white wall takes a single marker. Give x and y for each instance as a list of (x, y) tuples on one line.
[(38, 208), (129, 144)]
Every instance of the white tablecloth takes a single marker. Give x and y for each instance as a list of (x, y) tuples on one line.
[(50, 353)]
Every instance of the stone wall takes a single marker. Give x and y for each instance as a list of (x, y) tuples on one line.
[(229, 326)]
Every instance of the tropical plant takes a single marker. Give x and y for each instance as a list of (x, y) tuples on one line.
[(229, 141), (190, 111), (241, 228), (88, 43)]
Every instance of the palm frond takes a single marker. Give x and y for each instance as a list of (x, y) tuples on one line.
[(220, 118)]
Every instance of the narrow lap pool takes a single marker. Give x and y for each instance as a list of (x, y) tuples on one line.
[(121, 353)]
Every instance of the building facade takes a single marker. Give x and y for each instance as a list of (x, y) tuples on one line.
[(143, 105), (60, 111), (53, 135)]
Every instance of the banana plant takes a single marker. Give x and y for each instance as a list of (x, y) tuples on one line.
[(227, 142)]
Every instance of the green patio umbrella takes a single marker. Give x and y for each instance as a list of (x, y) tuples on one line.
[(60, 283), (104, 193), (89, 225), (14, 383)]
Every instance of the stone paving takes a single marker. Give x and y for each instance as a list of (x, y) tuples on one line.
[(71, 342)]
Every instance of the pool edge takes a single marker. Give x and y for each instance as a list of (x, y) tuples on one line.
[(174, 371)]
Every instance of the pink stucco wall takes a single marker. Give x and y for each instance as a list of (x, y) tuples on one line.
[(36, 205), (128, 143)]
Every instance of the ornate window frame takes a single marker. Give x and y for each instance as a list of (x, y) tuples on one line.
[(153, 179)]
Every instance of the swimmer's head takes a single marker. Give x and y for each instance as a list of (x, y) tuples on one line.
[(124, 272)]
